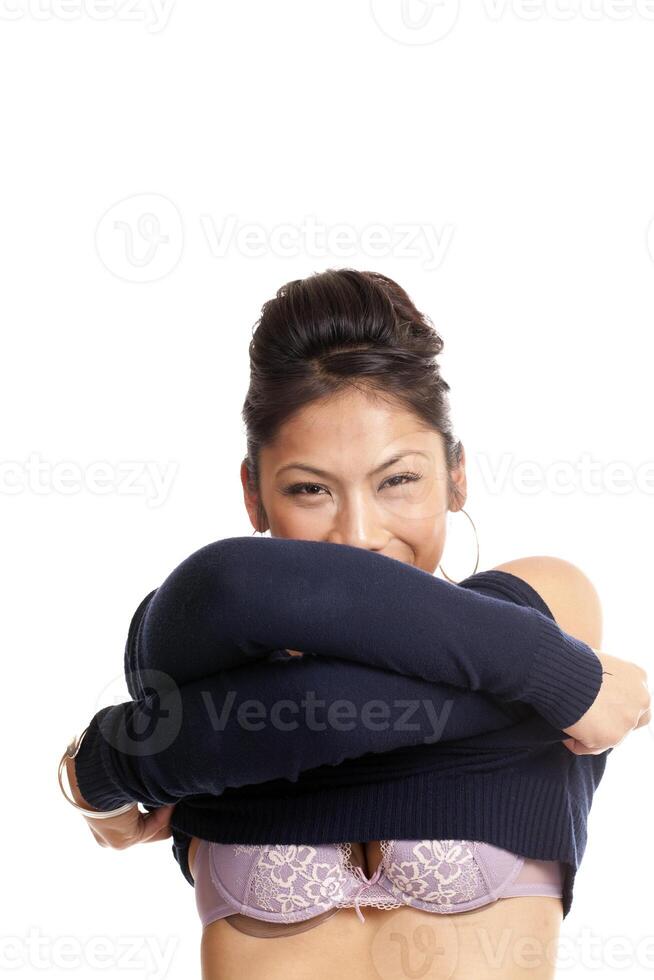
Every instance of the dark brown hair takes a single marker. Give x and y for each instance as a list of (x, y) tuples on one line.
[(336, 329)]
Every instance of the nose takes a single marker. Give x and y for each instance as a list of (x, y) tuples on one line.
[(357, 523)]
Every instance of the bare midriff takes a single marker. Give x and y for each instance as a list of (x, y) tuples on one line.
[(510, 939)]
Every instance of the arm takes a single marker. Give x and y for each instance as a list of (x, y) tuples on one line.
[(194, 754), (236, 599), (266, 721)]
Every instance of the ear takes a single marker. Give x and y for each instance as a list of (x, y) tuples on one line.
[(250, 498), (459, 480)]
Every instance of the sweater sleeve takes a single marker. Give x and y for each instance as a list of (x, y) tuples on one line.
[(266, 721), (238, 599), (223, 731)]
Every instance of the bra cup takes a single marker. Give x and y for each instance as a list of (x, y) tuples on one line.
[(293, 883), (231, 872), (499, 867), (448, 875), (274, 882)]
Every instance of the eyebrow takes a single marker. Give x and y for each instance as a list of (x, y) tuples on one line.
[(378, 469)]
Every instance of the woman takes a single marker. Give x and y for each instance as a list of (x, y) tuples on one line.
[(344, 381)]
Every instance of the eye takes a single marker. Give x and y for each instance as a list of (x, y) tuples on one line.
[(408, 477), (297, 489)]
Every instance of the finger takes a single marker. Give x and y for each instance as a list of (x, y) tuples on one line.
[(578, 748), (162, 816), (156, 824), (162, 835), (157, 830)]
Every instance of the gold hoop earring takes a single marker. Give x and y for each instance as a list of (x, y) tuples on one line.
[(477, 544)]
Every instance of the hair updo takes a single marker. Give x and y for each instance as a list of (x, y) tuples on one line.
[(336, 329)]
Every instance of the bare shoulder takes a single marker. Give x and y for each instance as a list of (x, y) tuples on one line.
[(567, 590)]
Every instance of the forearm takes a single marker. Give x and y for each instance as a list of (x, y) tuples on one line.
[(267, 721), (235, 600)]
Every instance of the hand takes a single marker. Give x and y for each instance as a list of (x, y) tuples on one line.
[(623, 703), (132, 827)]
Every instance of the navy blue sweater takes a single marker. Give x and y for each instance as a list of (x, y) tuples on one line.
[(420, 709)]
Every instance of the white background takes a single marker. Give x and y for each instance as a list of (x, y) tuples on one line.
[(164, 170)]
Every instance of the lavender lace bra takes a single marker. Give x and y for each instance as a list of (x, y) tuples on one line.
[(274, 889)]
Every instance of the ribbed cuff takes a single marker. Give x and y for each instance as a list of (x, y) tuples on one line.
[(93, 772), (565, 678)]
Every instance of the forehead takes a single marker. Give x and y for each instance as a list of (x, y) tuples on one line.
[(351, 431)]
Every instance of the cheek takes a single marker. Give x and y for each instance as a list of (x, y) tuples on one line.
[(426, 540), (298, 522), (421, 503)]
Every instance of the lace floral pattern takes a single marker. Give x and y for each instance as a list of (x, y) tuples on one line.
[(289, 879), (443, 872)]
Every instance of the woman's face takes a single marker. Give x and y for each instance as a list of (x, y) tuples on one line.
[(329, 477)]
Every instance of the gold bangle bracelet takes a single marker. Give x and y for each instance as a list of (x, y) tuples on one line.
[(70, 752)]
